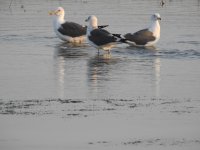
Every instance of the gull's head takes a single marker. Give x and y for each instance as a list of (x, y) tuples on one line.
[(59, 12), (155, 17), (92, 21)]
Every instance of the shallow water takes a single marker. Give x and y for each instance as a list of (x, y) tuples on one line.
[(35, 64), (55, 95)]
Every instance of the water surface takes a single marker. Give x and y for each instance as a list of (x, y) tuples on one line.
[(55, 95)]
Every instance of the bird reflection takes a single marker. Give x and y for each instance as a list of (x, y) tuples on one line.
[(71, 50), (157, 65), (99, 67), (149, 56), (142, 49), (63, 52), (60, 72)]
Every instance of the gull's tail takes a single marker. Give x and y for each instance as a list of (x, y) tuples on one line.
[(120, 38)]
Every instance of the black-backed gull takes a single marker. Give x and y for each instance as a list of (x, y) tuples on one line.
[(101, 38), (68, 31), (148, 36)]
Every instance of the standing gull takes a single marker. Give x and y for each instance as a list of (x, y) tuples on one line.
[(68, 31), (100, 38), (146, 37)]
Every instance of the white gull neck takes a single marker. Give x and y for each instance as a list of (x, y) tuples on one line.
[(155, 28), (93, 24), (57, 21)]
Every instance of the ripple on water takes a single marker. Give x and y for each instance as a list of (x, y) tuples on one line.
[(190, 42), (178, 54), (151, 52)]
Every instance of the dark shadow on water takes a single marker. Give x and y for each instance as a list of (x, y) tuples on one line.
[(66, 108), (35, 106)]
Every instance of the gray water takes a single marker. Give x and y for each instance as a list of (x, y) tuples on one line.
[(35, 64), (103, 101)]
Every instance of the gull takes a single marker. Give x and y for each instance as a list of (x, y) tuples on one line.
[(148, 36), (101, 38), (68, 31)]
